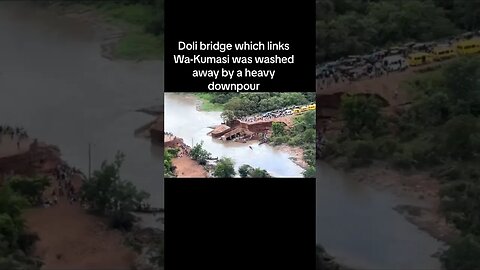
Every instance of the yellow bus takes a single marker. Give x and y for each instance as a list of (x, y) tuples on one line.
[(297, 111), (469, 46), (419, 58), (304, 108), (312, 107), (443, 52)]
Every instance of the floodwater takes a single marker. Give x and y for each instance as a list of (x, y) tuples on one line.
[(358, 226), (185, 121), (54, 82)]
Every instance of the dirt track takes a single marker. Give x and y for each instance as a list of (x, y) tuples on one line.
[(70, 238), (186, 167)]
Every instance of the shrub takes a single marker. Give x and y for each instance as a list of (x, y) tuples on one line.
[(463, 254), (387, 147), (296, 140), (279, 140), (403, 160), (360, 153)]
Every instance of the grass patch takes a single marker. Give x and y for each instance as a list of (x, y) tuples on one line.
[(207, 104), (139, 15), (134, 19), (139, 45)]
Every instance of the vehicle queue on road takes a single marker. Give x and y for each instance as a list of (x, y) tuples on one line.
[(396, 59)]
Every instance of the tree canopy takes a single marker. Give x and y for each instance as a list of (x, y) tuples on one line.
[(348, 27), (225, 168), (112, 196)]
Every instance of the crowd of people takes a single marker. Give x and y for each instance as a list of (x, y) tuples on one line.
[(379, 62), (184, 150), (63, 175), (14, 133), (268, 115)]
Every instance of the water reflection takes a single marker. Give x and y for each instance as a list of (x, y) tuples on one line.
[(357, 225)]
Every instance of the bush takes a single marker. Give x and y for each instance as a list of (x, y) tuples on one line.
[(225, 168), (26, 241), (122, 221), (296, 140), (279, 140), (403, 160), (331, 148), (463, 254), (244, 170), (310, 172), (386, 147), (199, 154), (360, 153)]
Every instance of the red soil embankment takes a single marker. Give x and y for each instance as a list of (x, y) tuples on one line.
[(37, 159), (72, 239)]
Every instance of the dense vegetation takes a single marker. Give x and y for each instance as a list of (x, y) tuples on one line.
[(348, 27), (302, 134), (142, 21), (439, 131), (16, 242), (245, 104), (224, 168), (31, 188), (107, 194), (168, 168), (247, 171), (199, 154)]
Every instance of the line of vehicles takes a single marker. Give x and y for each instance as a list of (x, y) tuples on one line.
[(445, 51), (400, 58), (302, 109), (291, 110)]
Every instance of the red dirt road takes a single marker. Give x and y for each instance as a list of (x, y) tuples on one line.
[(187, 167), (70, 238)]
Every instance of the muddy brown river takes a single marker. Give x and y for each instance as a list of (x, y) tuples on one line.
[(54, 82)]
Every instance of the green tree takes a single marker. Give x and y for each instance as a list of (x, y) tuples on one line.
[(259, 173), (224, 168), (227, 116), (463, 86), (461, 136), (199, 154), (30, 188), (310, 172), (361, 114), (244, 170), (463, 254), (14, 244), (109, 195), (278, 129), (167, 163)]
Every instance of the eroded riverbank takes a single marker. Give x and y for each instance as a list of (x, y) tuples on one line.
[(65, 103), (357, 224), (183, 119)]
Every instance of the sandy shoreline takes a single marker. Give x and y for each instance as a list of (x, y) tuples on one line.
[(415, 185), (296, 154)]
